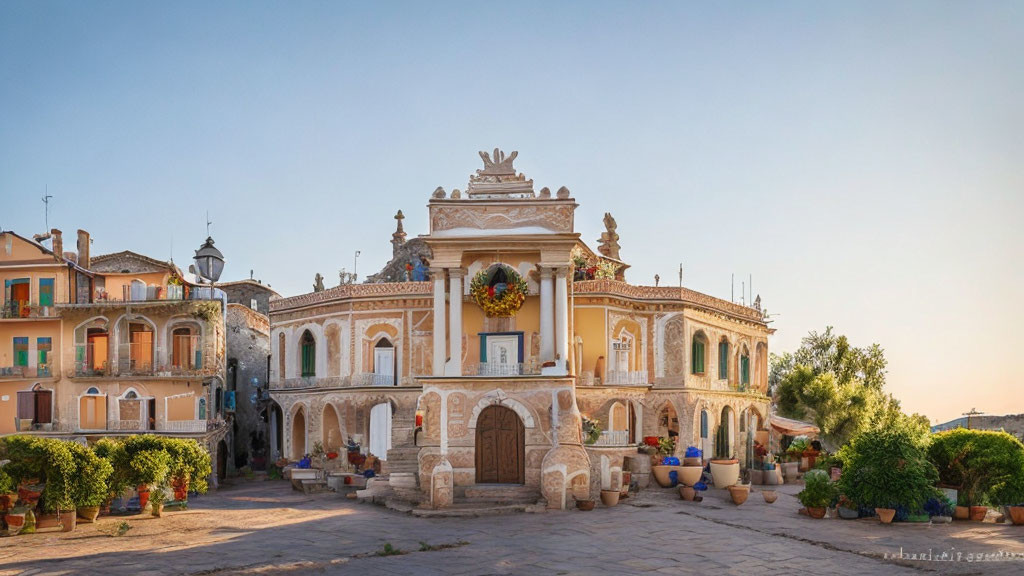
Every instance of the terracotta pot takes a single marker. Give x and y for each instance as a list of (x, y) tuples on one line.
[(157, 510), (687, 492), (725, 473), (1016, 514), (180, 486), (68, 520), (819, 513), (609, 497), (885, 515), (661, 475), (961, 513), (7, 501), (690, 475), (15, 522), (692, 461), (978, 513), (739, 493), (770, 495), (88, 514), (143, 496), (756, 476), (44, 521), (585, 505)]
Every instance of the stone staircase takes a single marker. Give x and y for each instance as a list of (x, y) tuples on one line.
[(499, 494)]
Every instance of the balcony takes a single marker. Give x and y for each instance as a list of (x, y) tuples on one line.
[(372, 379), (22, 309), (501, 370), (626, 378), (613, 438), (139, 359), (182, 426), (149, 295), (18, 372)]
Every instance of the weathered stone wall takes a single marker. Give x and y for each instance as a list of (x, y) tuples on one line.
[(248, 347), (245, 291)]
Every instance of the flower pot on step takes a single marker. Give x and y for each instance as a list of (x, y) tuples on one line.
[(88, 514), (818, 513), (725, 473), (661, 475), (143, 496), (157, 510), (885, 515), (739, 493), (687, 493), (961, 513), (770, 495), (978, 513), (609, 497), (585, 505)]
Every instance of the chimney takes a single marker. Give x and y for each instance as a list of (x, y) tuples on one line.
[(58, 244), (83, 250)]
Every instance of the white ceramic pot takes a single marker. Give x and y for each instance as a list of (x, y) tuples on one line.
[(725, 473)]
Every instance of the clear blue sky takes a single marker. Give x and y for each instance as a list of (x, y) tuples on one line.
[(862, 160)]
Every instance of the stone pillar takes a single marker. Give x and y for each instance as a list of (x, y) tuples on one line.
[(454, 365), (547, 341), (439, 333), (561, 319), (442, 484)]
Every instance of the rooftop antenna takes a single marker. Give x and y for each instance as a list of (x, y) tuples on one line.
[(46, 211), (680, 275), (743, 293), (250, 274), (208, 222)]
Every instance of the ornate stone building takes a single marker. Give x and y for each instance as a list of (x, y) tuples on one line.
[(475, 365)]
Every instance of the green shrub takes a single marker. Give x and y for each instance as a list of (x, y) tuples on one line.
[(819, 490), (91, 473), (113, 452), (186, 457), (985, 467), (149, 468), (43, 459), (887, 468)]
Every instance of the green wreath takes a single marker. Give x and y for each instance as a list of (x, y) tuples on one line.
[(499, 290)]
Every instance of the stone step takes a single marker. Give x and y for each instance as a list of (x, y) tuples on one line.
[(499, 493)]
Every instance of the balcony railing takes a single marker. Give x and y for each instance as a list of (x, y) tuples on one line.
[(498, 370), (613, 438), (371, 379), (126, 425), (22, 309), (182, 426), (153, 293), (628, 378), (41, 371), (136, 359), (186, 354)]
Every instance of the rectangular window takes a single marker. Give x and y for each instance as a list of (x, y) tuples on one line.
[(20, 351), (45, 347), (723, 360), (46, 291)]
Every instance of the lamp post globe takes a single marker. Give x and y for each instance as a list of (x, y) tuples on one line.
[(209, 261)]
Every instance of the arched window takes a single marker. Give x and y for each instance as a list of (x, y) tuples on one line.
[(744, 369), (131, 395), (384, 363), (93, 391), (723, 359), (308, 346), (185, 349), (697, 353)]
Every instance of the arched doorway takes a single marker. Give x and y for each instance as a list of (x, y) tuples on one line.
[(500, 447), (299, 435), (331, 429), (222, 461), (384, 363), (380, 430), (276, 423)]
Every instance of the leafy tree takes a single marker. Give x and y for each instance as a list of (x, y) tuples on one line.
[(839, 387), (888, 468)]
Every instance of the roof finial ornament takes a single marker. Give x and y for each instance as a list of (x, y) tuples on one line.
[(608, 244), (398, 238), (500, 164)]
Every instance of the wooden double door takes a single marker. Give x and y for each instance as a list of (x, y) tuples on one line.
[(500, 447)]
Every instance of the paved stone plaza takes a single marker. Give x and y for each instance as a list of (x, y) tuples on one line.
[(265, 528)]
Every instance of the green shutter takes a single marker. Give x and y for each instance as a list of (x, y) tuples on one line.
[(46, 291), (723, 360), (745, 370), (698, 357)]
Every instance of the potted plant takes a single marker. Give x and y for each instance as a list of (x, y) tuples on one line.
[(148, 469), (819, 493), (886, 468), (739, 493), (692, 457), (725, 472), (986, 467), (770, 496), (90, 486), (846, 509), (156, 500), (939, 509), (699, 487), (591, 430), (117, 482), (661, 470)]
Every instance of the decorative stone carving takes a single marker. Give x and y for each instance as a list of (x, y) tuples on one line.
[(499, 165), (398, 238), (456, 195), (438, 193), (608, 244), (673, 347), (553, 218), (545, 193), (318, 283), (498, 178), (457, 415), (562, 193), (442, 483)]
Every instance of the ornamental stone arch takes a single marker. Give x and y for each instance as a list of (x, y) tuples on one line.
[(336, 340), (670, 336), (182, 321), (115, 335), (317, 332), (500, 398), (291, 412), (636, 330), (369, 331)]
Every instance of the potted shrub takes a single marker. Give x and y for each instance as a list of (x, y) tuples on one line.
[(117, 482), (819, 493), (591, 430), (90, 486), (939, 509), (148, 469), (156, 500), (886, 468), (985, 467)]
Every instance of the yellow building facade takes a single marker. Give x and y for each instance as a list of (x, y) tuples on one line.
[(473, 357)]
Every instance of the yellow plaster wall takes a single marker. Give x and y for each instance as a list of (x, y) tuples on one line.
[(9, 405), (32, 330), (114, 283), (57, 273), (180, 408), (590, 326)]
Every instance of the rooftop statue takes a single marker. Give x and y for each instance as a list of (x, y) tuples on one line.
[(499, 165), (318, 283), (608, 244)]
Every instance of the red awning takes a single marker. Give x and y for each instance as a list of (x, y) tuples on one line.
[(792, 427)]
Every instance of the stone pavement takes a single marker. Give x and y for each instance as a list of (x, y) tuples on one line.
[(266, 528)]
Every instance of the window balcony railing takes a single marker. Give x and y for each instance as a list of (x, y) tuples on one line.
[(126, 425), (627, 378), (372, 379), (41, 371), (22, 309), (182, 426), (136, 359), (612, 438), (497, 369), (153, 293)]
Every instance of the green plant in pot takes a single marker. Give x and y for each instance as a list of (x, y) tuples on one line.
[(819, 493), (149, 470), (90, 486), (118, 481), (986, 467), (886, 468)]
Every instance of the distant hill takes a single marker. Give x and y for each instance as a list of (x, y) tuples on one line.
[(1012, 423)]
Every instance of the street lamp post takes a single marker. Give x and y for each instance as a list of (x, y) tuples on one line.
[(209, 262)]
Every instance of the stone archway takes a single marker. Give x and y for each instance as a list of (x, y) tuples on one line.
[(331, 425), (299, 435), (500, 447)]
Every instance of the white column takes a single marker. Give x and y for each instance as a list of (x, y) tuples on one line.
[(454, 366), (561, 318), (547, 336), (439, 333)]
